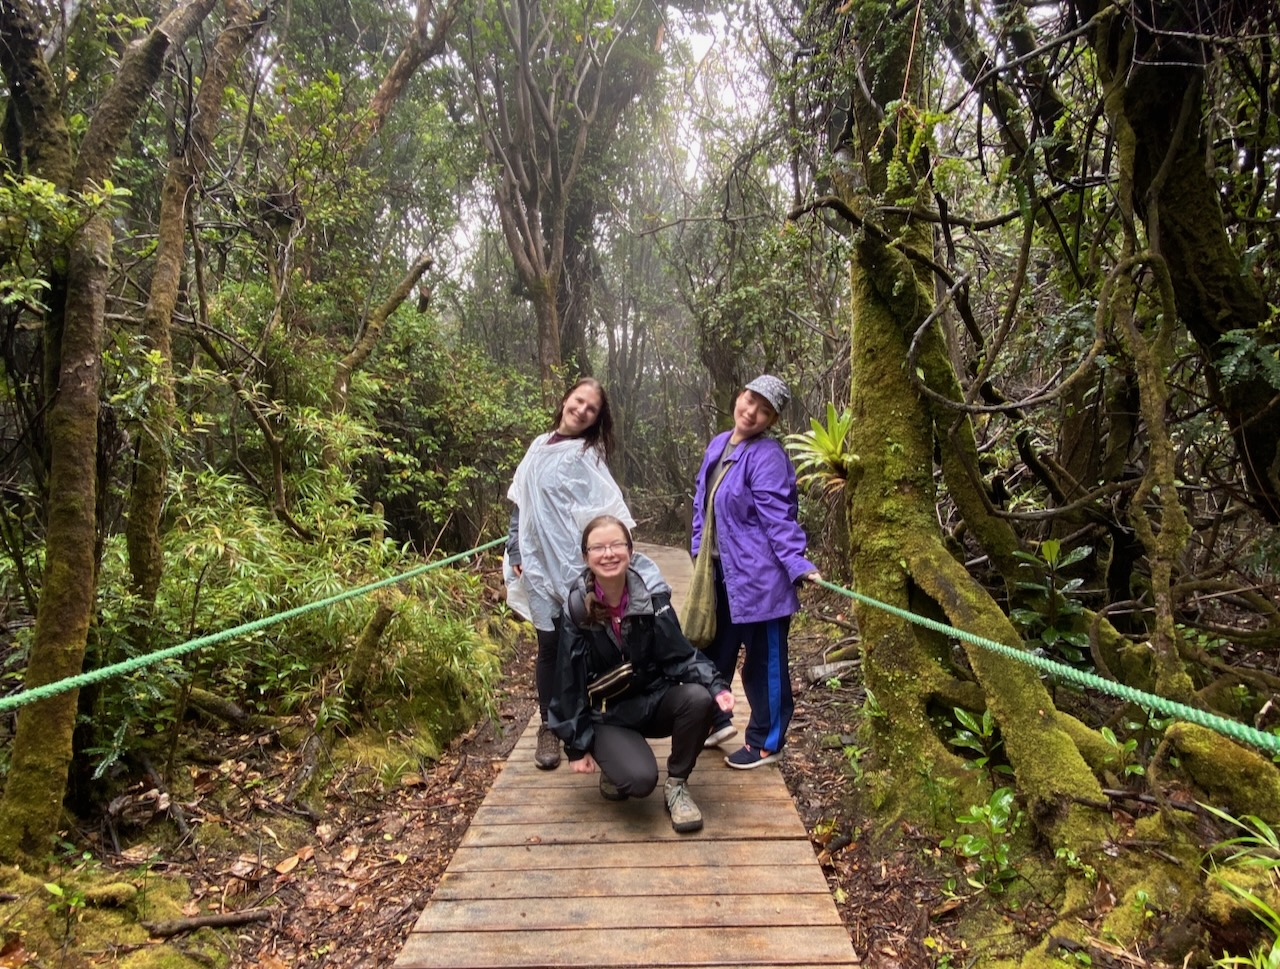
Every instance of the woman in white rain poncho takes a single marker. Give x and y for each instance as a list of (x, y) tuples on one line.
[(561, 484)]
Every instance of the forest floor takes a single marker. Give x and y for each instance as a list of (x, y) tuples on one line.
[(350, 899)]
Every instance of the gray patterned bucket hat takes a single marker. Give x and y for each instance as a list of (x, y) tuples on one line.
[(771, 389)]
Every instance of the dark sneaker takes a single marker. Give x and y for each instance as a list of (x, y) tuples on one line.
[(547, 756), (719, 735), (609, 791), (685, 816), (748, 757)]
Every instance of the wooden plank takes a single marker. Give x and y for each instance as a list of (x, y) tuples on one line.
[(764, 779), (741, 946), (545, 795), (715, 811), (622, 881), (727, 854), (529, 741), (681, 911), (622, 831)]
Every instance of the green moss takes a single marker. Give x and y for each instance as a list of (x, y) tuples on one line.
[(1225, 907), (198, 953), (91, 911), (390, 756), (1230, 775), (111, 895), (1153, 887)]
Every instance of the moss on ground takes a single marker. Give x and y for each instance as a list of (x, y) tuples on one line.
[(91, 916)]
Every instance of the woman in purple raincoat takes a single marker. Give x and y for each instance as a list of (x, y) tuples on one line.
[(758, 548)]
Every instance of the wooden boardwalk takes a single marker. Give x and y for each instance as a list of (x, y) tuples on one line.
[(550, 874)]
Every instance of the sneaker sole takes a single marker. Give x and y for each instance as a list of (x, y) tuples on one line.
[(686, 827), (771, 759), (718, 737)]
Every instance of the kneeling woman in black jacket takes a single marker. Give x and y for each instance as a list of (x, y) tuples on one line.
[(626, 672)]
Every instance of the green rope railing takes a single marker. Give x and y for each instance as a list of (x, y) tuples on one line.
[(47, 690), (1223, 725), (1181, 711)]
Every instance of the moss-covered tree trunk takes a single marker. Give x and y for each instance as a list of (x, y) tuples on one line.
[(30, 810), (898, 552), (151, 468), (372, 331), (899, 557), (1154, 76), (364, 655)]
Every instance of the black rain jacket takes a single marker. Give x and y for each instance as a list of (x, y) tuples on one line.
[(651, 641)]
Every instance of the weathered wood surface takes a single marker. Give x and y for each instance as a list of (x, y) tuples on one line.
[(549, 874)]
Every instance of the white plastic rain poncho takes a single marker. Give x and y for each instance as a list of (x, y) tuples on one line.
[(558, 488)]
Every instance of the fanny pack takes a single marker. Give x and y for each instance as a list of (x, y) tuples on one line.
[(610, 684)]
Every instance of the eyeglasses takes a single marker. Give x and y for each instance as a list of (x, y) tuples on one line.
[(614, 547)]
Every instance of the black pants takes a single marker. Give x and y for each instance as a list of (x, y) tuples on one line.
[(684, 714), (544, 671)]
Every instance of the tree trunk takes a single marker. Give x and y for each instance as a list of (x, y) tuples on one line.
[(30, 811), (431, 28), (892, 520), (151, 468), (1155, 78), (898, 553), (544, 310), (365, 652), (359, 352)]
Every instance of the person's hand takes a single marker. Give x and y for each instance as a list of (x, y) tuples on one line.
[(725, 701), (518, 570), (815, 577), (585, 766)]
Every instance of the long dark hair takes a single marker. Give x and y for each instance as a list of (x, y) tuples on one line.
[(600, 434), (597, 611)]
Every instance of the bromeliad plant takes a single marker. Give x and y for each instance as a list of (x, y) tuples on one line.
[(821, 453)]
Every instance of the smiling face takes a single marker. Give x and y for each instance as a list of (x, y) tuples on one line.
[(607, 550), (579, 411), (752, 415)]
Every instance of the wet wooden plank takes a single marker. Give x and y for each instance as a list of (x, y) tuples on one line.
[(678, 911), (611, 831), (703, 786), (715, 810), (745, 946), (726, 854), (621, 881)]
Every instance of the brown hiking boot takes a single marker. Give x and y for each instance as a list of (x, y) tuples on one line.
[(547, 756), (685, 815)]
